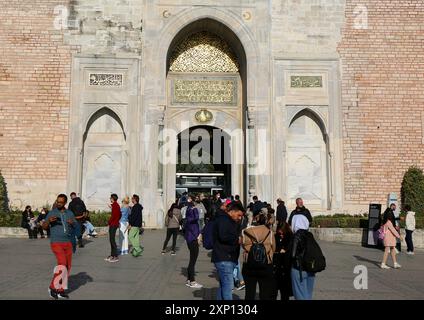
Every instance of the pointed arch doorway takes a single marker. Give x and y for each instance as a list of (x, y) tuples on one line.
[(206, 75)]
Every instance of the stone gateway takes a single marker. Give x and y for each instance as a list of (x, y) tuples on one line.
[(315, 99)]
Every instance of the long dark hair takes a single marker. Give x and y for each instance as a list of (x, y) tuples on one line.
[(171, 209), (284, 229)]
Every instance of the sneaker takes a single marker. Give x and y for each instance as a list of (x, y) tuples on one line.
[(113, 259), (88, 236), (188, 283), (173, 253), (397, 266), (53, 294), (195, 285), (241, 286), (410, 253), (108, 258), (62, 295), (163, 252), (384, 266)]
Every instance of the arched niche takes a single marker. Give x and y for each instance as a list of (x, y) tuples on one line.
[(307, 160), (104, 159)]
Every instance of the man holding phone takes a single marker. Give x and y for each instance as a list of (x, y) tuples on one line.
[(62, 223)]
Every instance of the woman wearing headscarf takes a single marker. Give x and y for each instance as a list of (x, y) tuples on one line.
[(302, 281)]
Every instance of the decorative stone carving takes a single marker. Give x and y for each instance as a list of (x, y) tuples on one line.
[(215, 92), (106, 79), (306, 81), (203, 116), (203, 52)]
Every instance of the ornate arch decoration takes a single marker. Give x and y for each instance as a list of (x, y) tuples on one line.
[(203, 52)]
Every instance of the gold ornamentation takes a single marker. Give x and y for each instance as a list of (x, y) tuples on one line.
[(247, 15), (216, 92), (203, 116), (203, 52), (166, 14), (306, 81)]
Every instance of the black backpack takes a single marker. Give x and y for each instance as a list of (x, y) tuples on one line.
[(313, 259), (257, 256)]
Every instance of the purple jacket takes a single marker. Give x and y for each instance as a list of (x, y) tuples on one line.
[(192, 229)]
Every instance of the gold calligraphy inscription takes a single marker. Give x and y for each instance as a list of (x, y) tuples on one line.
[(222, 92), (306, 81)]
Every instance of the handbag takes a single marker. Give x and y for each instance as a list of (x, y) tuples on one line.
[(381, 233)]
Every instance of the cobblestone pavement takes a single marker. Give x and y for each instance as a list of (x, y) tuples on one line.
[(27, 265)]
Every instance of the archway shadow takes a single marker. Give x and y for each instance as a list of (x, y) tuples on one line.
[(78, 280), (359, 258)]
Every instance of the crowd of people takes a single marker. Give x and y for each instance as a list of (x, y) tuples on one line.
[(273, 245), (251, 247)]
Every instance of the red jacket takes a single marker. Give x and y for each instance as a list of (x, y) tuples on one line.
[(116, 215)]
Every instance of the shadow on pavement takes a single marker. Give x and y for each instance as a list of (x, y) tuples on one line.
[(376, 263), (78, 280), (209, 294)]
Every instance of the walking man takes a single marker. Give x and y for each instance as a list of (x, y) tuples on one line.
[(77, 206), (135, 223), (61, 223)]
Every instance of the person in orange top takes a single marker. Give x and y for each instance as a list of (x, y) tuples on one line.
[(390, 236)]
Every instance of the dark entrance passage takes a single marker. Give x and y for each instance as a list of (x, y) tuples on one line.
[(203, 161)]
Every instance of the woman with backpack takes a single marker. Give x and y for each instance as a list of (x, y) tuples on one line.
[(172, 223), (281, 260), (302, 281), (390, 235), (191, 235), (259, 247)]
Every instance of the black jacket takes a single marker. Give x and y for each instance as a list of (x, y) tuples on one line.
[(281, 213), (303, 211), (226, 245), (257, 206), (297, 249), (26, 217), (135, 218), (77, 206)]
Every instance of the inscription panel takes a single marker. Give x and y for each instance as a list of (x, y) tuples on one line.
[(305, 81), (204, 92), (106, 79)]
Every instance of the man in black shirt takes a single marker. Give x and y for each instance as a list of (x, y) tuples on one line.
[(281, 211), (300, 209), (77, 206)]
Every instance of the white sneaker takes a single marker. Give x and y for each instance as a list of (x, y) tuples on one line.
[(384, 266), (397, 266), (410, 253), (195, 285), (188, 283)]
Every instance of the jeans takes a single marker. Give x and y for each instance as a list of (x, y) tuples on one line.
[(171, 232), (225, 271), (63, 253), (302, 288), (89, 227), (123, 237), (409, 242), (113, 246), (134, 238), (193, 247), (237, 273)]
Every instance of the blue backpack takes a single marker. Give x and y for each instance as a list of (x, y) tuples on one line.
[(207, 235)]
